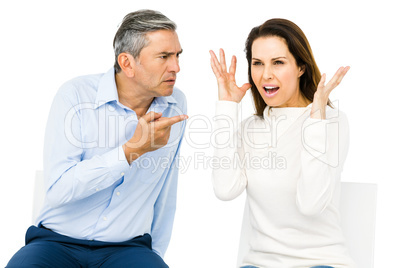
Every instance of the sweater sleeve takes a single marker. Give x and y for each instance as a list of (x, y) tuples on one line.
[(228, 176), (325, 146)]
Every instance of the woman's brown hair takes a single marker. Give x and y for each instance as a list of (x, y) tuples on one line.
[(298, 46)]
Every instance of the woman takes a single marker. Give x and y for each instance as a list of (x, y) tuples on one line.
[(288, 156)]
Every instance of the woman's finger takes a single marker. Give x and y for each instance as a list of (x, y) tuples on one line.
[(222, 60), (215, 64), (321, 84), (214, 59), (232, 68), (336, 80), (344, 71), (215, 69), (212, 53), (246, 87)]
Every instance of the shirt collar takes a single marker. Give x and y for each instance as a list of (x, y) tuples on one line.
[(159, 104), (289, 111), (107, 92)]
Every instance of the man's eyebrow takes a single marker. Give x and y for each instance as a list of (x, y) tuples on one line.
[(170, 53)]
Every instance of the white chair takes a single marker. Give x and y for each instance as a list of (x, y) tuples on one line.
[(39, 195), (358, 212)]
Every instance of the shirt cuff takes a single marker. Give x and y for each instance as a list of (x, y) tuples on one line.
[(229, 108), (116, 162)]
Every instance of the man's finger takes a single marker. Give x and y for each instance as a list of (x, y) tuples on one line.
[(151, 116), (169, 121)]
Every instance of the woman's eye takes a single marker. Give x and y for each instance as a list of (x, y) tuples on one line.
[(278, 62), (256, 63)]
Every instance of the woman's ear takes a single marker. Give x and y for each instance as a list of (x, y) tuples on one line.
[(126, 62), (302, 70)]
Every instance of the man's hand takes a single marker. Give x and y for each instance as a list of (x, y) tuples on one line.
[(152, 133)]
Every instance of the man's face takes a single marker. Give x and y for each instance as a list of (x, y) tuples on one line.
[(158, 63)]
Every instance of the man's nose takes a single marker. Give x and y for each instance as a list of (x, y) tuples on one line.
[(174, 65)]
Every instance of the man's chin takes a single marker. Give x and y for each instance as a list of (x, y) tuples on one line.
[(165, 92), (169, 90)]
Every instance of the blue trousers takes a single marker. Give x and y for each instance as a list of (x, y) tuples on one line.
[(45, 248)]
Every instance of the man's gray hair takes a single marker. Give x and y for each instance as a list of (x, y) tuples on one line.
[(131, 35)]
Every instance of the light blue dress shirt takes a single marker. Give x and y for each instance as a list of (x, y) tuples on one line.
[(91, 190)]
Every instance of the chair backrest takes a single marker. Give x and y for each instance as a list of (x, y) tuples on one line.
[(39, 195), (358, 212)]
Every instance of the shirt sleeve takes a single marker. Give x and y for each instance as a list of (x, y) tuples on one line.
[(228, 176), (164, 211), (325, 147), (165, 205), (67, 176)]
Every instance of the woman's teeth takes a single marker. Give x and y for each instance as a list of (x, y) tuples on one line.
[(271, 89)]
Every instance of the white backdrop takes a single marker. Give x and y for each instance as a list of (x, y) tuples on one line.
[(45, 43)]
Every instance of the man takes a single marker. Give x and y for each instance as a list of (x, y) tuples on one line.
[(111, 157)]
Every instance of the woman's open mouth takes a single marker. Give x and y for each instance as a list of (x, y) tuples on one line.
[(270, 91)]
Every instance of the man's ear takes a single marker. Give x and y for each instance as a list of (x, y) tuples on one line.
[(126, 62), (302, 69)]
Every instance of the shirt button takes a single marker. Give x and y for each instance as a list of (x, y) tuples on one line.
[(118, 193), (97, 189), (122, 174), (105, 218)]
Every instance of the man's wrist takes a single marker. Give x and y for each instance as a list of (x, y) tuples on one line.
[(132, 153)]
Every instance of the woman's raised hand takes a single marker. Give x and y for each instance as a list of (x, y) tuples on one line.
[(227, 88), (321, 96)]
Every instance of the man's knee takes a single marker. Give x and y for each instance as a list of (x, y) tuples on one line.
[(42, 254), (135, 257)]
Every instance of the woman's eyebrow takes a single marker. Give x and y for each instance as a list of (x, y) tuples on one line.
[(279, 58)]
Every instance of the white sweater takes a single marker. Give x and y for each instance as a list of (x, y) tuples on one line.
[(290, 166)]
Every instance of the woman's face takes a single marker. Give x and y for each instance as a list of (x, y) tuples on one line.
[(275, 73)]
